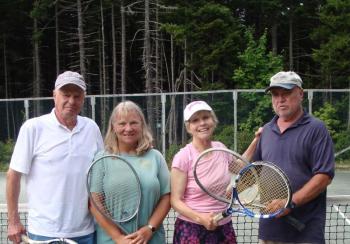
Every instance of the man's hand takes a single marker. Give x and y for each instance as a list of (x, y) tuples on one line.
[(15, 232), (276, 205)]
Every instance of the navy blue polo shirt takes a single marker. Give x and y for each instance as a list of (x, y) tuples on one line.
[(301, 151)]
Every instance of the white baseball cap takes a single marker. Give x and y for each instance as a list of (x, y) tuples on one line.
[(70, 77), (285, 79), (194, 107)]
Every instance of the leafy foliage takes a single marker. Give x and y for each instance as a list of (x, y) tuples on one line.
[(333, 34), (256, 63), (213, 33), (170, 153), (225, 135), (327, 115), (340, 135), (6, 149)]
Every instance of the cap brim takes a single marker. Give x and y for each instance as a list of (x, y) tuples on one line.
[(187, 118), (62, 85), (284, 86)]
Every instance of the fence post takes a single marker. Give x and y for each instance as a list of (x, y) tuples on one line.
[(234, 97), (92, 104), (163, 100), (26, 108), (310, 95)]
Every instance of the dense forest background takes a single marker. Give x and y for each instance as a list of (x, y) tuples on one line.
[(176, 47), (158, 46)]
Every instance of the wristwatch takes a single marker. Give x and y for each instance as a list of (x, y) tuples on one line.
[(151, 227)]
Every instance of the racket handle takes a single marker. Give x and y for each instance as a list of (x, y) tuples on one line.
[(220, 216), (297, 224), (25, 239)]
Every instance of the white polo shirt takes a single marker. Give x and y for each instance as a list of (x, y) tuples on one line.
[(55, 160)]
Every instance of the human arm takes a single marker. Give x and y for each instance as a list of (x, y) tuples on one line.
[(13, 186), (314, 187), (249, 152), (178, 186), (144, 234)]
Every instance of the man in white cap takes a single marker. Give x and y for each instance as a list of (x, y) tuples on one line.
[(301, 145), (53, 152)]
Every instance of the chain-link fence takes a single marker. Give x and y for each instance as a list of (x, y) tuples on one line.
[(240, 112)]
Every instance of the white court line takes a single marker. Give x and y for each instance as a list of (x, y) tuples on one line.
[(341, 214)]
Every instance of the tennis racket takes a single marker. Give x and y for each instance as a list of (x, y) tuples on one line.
[(27, 240), (114, 189), (258, 189)]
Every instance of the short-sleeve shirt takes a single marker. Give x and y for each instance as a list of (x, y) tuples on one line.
[(194, 197), (55, 160), (302, 151), (154, 176)]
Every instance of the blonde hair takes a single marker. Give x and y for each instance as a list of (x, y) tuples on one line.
[(111, 140)]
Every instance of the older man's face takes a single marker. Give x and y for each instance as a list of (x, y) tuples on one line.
[(69, 101), (287, 103)]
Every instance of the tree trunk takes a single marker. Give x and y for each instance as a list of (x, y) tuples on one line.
[(103, 68), (123, 54), (148, 67), (173, 124), (291, 43), (114, 55), (274, 38), (81, 40), (147, 48), (6, 88), (157, 82), (184, 100), (103, 71), (192, 77), (36, 67), (57, 40)]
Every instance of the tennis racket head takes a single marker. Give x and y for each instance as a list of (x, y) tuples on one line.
[(114, 188), (215, 170), (263, 190)]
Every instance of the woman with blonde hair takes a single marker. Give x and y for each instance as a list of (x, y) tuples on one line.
[(129, 137)]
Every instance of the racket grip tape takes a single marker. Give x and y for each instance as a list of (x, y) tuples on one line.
[(220, 216), (297, 224), (25, 239)]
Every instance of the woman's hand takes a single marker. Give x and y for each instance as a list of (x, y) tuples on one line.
[(207, 220), (121, 239), (142, 236)]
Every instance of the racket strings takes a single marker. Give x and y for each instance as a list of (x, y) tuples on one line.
[(263, 189), (216, 172), (121, 204), (114, 189)]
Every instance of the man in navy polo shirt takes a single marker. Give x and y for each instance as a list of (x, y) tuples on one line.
[(301, 145)]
